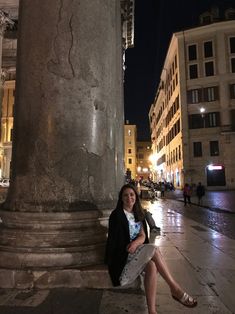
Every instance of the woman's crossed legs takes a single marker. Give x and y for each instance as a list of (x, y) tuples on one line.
[(157, 264)]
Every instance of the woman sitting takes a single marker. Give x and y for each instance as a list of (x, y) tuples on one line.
[(128, 252)]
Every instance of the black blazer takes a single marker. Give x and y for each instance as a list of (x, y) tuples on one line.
[(118, 239)]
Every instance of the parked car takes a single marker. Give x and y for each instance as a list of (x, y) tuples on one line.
[(5, 183)]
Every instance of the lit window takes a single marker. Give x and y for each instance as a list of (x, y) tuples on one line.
[(194, 96), (213, 119), (129, 132), (211, 93)]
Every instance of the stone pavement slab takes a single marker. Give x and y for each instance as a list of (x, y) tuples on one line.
[(55, 301)]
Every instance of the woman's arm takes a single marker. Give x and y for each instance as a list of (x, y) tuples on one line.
[(137, 242)]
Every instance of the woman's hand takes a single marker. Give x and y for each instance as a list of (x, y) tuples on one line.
[(131, 247)]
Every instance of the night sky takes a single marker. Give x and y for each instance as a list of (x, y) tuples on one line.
[(155, 21)]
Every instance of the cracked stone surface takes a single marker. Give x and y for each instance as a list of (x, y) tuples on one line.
[(68, 149)]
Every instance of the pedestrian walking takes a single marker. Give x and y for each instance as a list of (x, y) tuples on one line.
[(200, 192), (128, 252), (162, 189), (187, 194)]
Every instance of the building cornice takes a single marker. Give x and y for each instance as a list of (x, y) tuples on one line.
[(204, 29), (127, 14), (4, 22)]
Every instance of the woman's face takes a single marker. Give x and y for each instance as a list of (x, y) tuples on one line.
[(128, 198)]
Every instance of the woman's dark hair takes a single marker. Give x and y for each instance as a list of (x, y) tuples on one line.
[(137, 208)]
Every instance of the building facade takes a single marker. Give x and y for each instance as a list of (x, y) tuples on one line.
[(8, 47), (192, 119), (130, 154), (7, 127), (144, 160)]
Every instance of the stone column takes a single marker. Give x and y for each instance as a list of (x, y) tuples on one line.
[(67, 164)]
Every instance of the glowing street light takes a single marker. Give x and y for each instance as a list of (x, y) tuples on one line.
[(202, 111)]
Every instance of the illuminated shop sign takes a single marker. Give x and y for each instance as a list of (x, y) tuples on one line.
[(214, 167)]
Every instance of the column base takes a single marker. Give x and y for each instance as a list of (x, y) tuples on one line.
[(43, 241), (90, 277)]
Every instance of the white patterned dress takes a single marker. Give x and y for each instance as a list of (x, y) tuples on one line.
[(137, 261)]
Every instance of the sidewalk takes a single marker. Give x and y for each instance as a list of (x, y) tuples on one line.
[(216, 200), (202, 260)]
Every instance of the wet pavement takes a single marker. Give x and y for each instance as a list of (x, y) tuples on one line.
[(217, 212)]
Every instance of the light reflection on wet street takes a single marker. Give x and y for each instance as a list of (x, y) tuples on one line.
[(223, 222)]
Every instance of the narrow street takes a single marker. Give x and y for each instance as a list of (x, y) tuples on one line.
[(220, 221), (217, 212)]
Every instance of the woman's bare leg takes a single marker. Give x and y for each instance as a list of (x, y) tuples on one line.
[(165, 273), (150, 284)]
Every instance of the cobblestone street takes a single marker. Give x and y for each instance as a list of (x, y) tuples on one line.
[(220, 221)]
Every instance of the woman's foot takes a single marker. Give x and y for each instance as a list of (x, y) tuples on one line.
[(185, 300)]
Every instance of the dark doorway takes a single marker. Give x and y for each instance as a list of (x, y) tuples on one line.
[(215, 176)]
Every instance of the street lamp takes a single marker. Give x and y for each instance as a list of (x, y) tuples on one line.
[(202, 111)]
